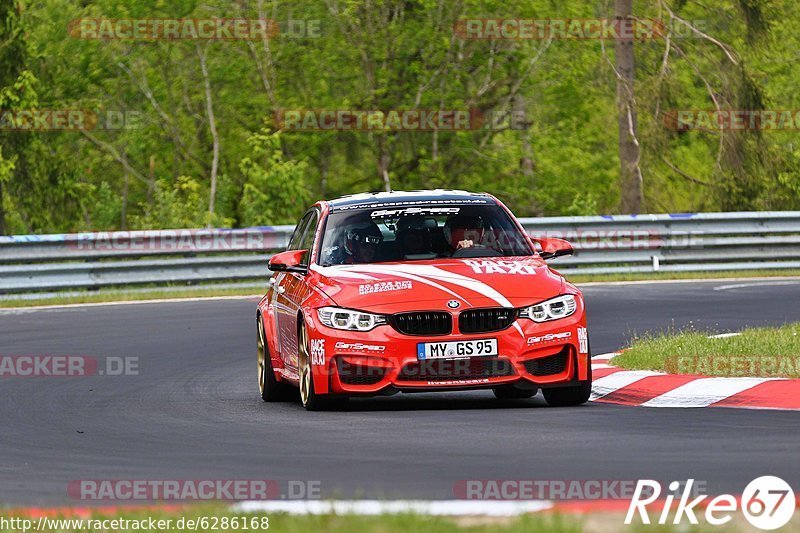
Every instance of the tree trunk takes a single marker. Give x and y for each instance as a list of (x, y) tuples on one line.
[(123, 219), (630, 173), (212, 125), (151, 182), (384, 160), (519, 122), (2, 212)]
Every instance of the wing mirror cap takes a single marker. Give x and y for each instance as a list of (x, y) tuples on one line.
[(289, 261), (552, 247)]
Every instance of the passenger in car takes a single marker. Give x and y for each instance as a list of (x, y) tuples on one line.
[(463, 231)]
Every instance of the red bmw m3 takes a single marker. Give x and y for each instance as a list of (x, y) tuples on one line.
[(434, 290)]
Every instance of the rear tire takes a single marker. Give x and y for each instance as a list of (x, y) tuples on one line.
[(269, 387), (571, 396)]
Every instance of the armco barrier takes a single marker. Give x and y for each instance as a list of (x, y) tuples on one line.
[(603, 244)]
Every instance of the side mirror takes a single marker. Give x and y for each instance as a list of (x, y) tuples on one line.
[(289, 261), (552, 247)]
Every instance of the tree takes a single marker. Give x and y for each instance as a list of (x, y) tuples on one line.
[(275, 191), (16, 93), (629, 155), (205, 130)]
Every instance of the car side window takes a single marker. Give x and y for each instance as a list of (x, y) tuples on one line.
[(307, 241), (299, 230)]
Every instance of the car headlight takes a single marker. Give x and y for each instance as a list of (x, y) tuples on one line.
[(336, 317), (553, 309)]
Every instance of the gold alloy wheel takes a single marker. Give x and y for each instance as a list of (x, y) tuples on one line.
[(305, 367), (262, 356)]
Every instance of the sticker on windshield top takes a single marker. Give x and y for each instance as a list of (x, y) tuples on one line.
[(386, 213), (449, 201)]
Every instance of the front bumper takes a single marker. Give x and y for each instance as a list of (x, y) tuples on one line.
[(383, 361)]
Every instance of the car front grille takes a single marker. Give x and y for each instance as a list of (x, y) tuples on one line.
[(486, 320), (548, 366), (422, 323), (456, 369), (359, 375)]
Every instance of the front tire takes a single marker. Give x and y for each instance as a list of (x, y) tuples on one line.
[(269, 387), (310, 400), (570, 396)]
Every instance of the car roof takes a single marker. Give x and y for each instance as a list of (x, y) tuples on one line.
[(397, 198)]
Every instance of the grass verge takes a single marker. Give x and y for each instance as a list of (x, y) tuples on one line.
[(211, 518), (214, 518), (133, 295), (157, 293), (668, 276), (757, 352)]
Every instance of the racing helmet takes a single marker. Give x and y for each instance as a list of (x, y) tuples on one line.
[(365, 233)]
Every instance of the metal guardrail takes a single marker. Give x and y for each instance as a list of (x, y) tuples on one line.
[(603, 244)]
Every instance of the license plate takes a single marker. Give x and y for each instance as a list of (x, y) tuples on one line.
[(455, 349)]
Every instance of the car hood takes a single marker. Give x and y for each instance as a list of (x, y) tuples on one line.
[(430, 285)]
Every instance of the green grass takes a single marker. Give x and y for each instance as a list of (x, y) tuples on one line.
[(127, 295), (282, 522), (544, 522), (424, 524), (757, 352), (666, 276)]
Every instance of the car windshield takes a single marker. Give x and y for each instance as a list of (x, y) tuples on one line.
[(418, 232)]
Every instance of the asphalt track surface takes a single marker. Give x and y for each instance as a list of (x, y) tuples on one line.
[(193, 412)]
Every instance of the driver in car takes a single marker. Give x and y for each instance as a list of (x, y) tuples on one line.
[(359, 244), (463, 231), (362, 242)]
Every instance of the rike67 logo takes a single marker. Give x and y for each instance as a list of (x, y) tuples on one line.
[(768, 503)]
